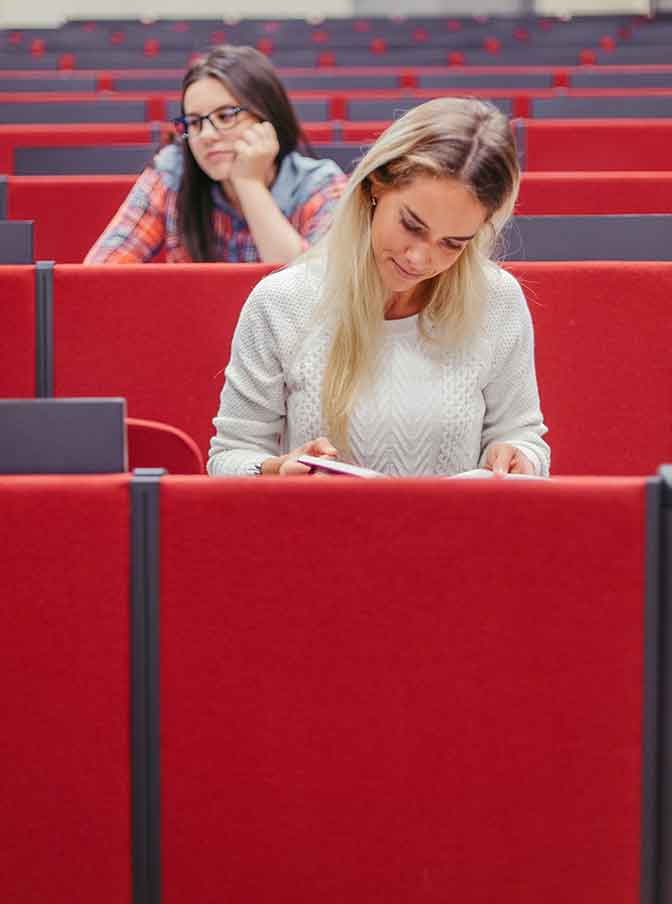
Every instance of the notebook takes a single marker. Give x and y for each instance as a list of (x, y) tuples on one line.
[(332, 466)]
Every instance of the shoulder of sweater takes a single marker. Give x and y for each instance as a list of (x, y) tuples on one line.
[(506, 300), (287, 296)]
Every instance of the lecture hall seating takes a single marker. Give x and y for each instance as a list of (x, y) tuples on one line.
[(92, 200), (374, 738), (586, 316)]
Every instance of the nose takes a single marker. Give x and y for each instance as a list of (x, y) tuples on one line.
[(208, 130), (418, 256)]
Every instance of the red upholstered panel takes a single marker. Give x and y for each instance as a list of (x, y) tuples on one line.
[(64, 744), (79, 135), (598, 144), (90, 203), (363, 131), (401, 691), (158, 335), (318, 131), (595, 193), (17, 331), (603, 336)]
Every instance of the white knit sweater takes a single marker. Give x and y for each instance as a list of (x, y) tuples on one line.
[(425, 414)]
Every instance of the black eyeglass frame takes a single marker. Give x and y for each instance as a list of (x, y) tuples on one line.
[(181, 123)]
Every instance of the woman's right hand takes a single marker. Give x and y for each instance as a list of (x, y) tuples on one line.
[(288, 466)]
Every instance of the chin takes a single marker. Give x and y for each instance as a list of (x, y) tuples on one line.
[(218, 171)]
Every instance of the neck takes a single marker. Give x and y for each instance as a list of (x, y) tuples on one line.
[(404, 304)]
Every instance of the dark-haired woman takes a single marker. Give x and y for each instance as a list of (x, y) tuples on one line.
[(235, 187)]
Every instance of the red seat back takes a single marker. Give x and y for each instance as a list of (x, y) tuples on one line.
[(64, 696), (367, 696), (17, 334), (152, 444), (602, 338), (157, 335)]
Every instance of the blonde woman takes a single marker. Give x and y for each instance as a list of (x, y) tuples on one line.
[(395, 343)]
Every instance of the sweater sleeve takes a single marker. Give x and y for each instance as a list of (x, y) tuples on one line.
[(512, 409), (137, 231), (251, 418)]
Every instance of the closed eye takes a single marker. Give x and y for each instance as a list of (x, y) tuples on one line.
[(452, 245), (410, 227)]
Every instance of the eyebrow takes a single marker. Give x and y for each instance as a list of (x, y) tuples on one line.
[(453, 238), (216, 110)]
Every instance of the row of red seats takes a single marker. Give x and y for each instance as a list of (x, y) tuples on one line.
[(424, 714), (350, 106), (604, 76), (586, 144), (91, 201), (127, 331)]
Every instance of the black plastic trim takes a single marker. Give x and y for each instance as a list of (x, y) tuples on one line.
[(4, 198), (651, 723), (145, 713), (44, 329), (665, 693)]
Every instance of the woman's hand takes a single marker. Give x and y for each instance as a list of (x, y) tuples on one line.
[(255, 150), (505, 459), (288, 466)]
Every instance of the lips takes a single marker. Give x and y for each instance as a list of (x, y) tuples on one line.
[(405, 274), (216, 155)]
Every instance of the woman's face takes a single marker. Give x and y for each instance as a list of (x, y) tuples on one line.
[(420, 230), (213, 149)]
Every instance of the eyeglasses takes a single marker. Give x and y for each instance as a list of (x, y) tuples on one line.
[(191, 125)]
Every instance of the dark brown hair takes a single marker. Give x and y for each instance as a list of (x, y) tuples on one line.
[(249, 76)]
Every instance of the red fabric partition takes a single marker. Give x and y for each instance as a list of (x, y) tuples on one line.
[(158, 335), (64, 745), (90, 202), (17, 331), (603, 336), (595, 193), (86, 134), (597, 144), (369, 695)]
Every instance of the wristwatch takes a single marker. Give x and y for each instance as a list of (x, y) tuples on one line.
[(254, 470)]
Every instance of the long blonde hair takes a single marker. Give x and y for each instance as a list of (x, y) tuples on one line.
[(460, 138)]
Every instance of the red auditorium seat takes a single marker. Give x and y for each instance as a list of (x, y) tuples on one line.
[(153, 444)]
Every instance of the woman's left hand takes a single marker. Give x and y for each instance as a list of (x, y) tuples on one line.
[(505, 459), (255, 150)]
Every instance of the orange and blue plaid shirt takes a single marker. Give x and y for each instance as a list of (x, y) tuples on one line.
[(306, 191)]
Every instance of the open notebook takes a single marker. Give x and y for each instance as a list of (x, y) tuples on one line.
[(333, 466)]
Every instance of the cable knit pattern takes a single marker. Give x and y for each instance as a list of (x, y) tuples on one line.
[(428, 411)]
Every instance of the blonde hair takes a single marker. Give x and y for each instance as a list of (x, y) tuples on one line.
[(464, 139)]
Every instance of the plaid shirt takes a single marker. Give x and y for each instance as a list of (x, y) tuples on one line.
[(305, 190)]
